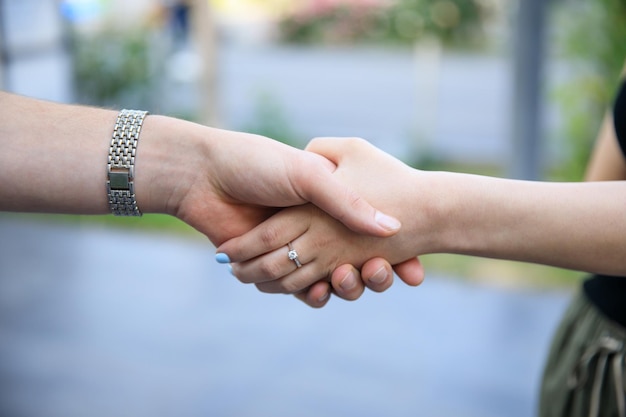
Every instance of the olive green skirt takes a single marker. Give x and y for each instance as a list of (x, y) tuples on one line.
[(584, 373)]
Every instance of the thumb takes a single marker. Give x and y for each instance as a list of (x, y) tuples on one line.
[(338, 200), (334, 149)]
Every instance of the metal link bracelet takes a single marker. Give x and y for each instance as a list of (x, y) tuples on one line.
[(121, 163)]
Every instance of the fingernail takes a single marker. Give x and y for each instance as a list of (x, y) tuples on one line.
[(379, 276), (348, 282), (230, 269), (222, 258), (387, 222), (323, 297)]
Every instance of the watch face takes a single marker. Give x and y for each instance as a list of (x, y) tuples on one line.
[(119, 179)]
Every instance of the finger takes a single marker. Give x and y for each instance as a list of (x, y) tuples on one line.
[(324, 190), (377, 274), (346, 282), (333, 148), (295, 282), (288, 269), (411, 272), (268, 236), (317, 296)]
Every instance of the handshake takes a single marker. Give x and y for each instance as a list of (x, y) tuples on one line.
[(334, 218), (326, 238), (309, 252)]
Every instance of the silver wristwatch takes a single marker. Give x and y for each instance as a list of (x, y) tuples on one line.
[(121, 163)]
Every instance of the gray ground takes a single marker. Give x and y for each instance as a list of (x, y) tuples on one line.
[(173, 334)]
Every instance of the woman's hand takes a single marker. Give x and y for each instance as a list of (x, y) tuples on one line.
[(323, 244), (228, 182), (348, 283)]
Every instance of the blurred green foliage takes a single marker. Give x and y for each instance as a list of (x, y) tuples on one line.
[(270, 119), (315, 22), (114, 68), (593, 39), (402, 21), (146, 223), (451, 21)]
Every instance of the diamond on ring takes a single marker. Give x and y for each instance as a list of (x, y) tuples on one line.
[(293, 255)]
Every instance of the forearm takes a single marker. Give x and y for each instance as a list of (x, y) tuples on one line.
[(572, 225), (54, 158)]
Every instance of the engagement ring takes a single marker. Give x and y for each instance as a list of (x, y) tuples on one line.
[(293, 255)]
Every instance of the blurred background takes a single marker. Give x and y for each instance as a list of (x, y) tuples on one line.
[(497, 87)]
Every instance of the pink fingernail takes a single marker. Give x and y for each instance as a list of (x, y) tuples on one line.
[(387, 222), (379, 276), (323, 298), (348, 282)]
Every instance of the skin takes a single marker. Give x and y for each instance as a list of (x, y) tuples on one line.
[(571, 225), (607, 163), (220, 182)]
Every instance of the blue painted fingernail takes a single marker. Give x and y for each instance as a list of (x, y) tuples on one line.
[(230, 269), (222, 258)]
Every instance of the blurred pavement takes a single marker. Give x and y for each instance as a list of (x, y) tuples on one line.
[(171, 333)]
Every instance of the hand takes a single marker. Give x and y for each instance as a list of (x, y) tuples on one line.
[(376, 274), (323, 245), (349, 283), (368, 170), (233, 181), (253, 171), (222, 183)]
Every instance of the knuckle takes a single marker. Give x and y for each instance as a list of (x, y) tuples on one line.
[(353, 198), (289, 287), (320, 247), (266, 288), (294, 286), (235, 253), (276, 287), (300, 283), (243, 278), (270, 270), (355, 141), (269, 236)]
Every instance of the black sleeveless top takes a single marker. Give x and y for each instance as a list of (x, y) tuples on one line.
[(606, 292)]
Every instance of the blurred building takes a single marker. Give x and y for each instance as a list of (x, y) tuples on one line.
[(65, 50), (34, 55)]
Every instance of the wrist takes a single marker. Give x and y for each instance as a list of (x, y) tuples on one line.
[(431, 224), (166, 163), (465, 217)]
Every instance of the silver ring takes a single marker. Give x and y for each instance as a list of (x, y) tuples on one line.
[(293, 255)]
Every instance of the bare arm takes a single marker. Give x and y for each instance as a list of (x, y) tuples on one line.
[(577, 225), (52, 156), (566, 248), (607, 162), (573, 225), (222, 183)]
